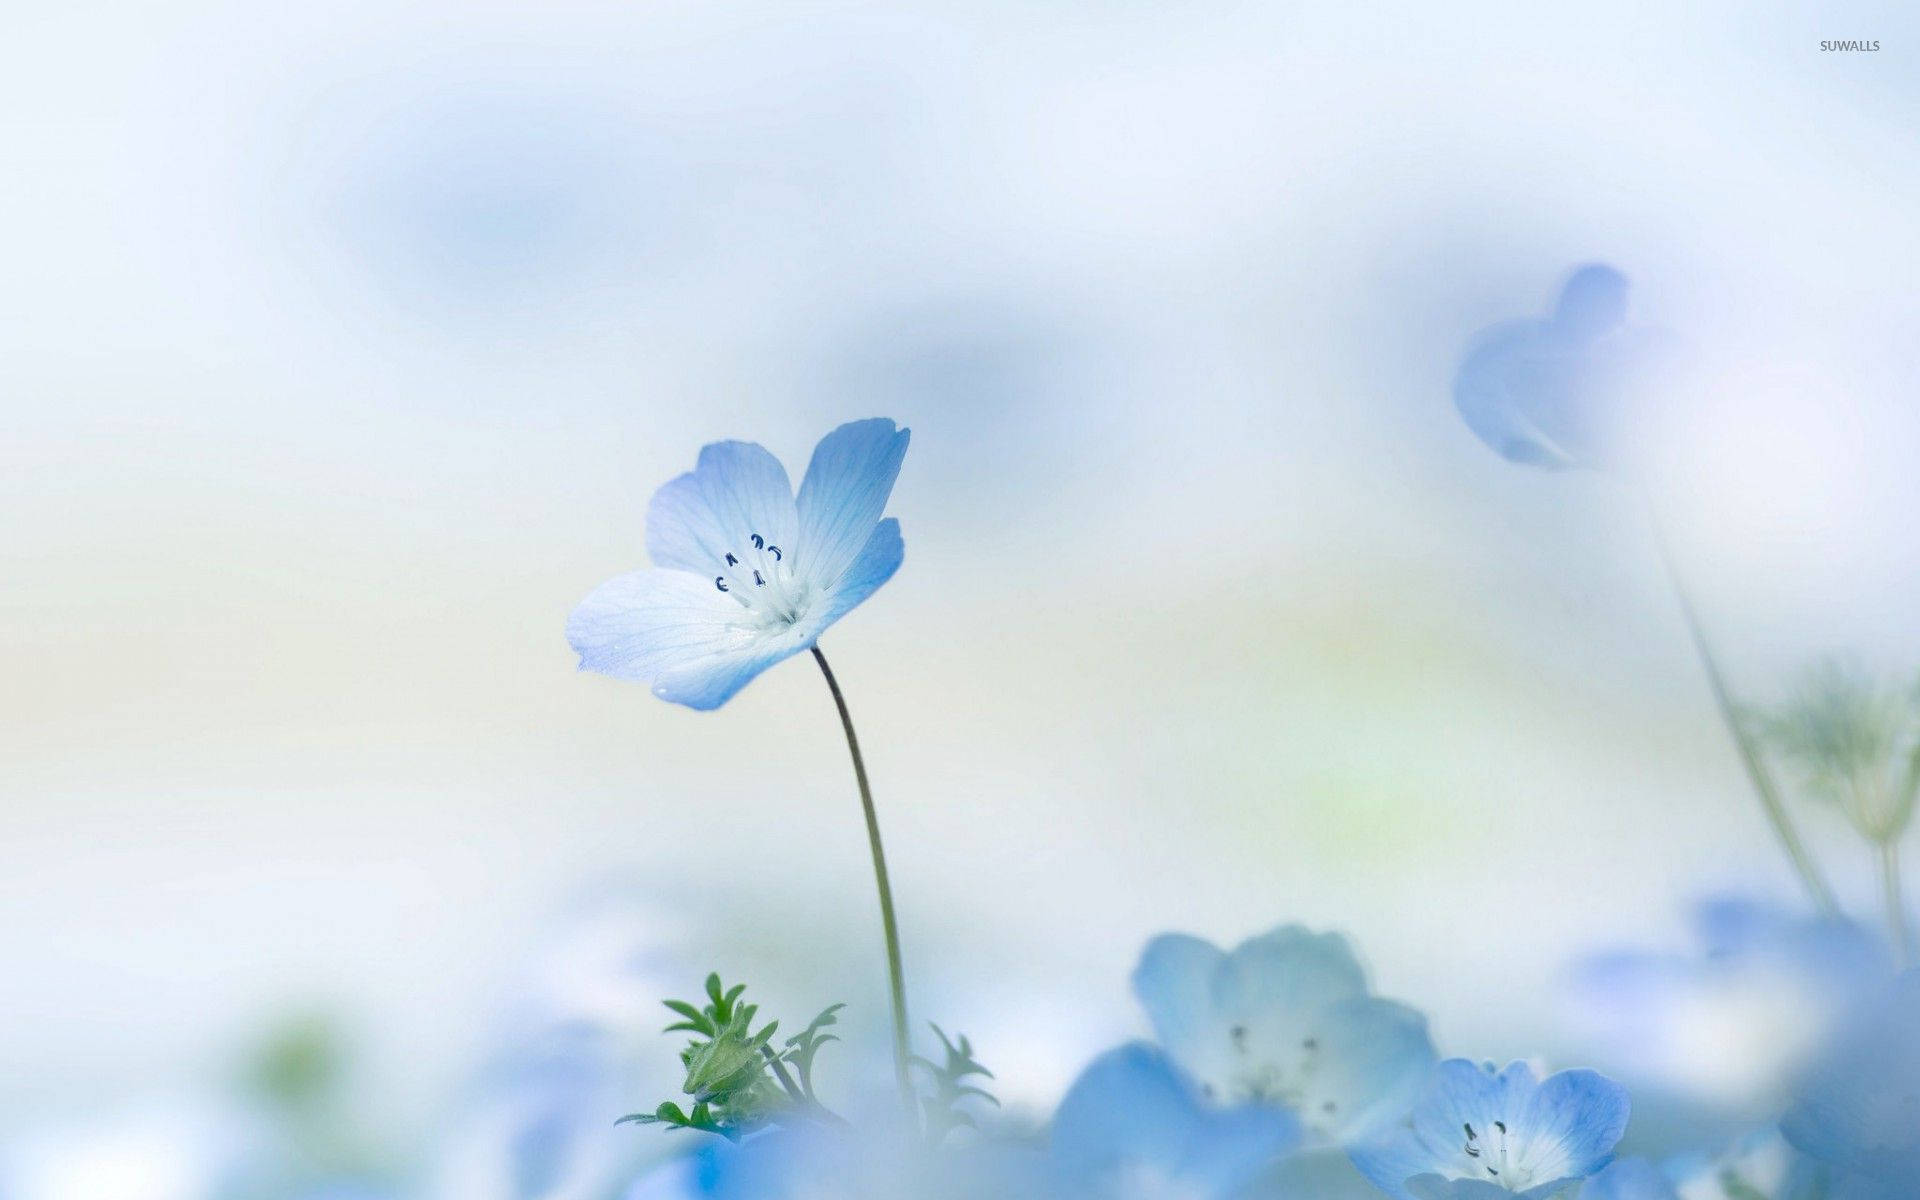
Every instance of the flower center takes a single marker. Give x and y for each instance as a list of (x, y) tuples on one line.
[(1268, 1076), (757, 576), (1488, 1150)]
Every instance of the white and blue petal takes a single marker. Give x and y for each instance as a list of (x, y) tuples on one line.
[(677, 634), (873, 566), (844, 493), (645, 624), (736, 491), (1572, 1123)]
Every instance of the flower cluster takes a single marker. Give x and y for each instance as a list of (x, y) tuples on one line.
[(1274, 1071)]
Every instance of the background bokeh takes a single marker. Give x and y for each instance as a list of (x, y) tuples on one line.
[(342, 345)]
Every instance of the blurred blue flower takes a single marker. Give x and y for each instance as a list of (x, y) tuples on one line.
[(1133, 1127), (1478, 1134), (873, 1161), (745, 574), (1629, 1179), (538, 1129), (1555, 392), (1859, 1108), (1732, 1023), (1760, 1165), (1285, 1019)]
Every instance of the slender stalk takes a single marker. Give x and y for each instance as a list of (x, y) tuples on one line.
[(1764, 786), (896, 977), (1895, 901)]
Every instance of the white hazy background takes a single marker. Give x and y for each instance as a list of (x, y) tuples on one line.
[(343, 344)]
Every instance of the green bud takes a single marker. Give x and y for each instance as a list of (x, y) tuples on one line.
[(728, 1064)]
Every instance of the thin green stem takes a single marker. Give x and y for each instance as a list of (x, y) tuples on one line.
[(896, 976), (1764, 786), (1895, 901)]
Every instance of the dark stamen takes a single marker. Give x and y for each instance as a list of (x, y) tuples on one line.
[(720, 581), (758, 582), (759, 543), (775, 551), (732, 561)]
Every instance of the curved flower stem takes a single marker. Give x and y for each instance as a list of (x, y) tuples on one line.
[(1764, 786), (896, 977), (1895, 901)]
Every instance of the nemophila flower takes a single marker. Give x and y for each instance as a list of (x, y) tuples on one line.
[(746, 573), (1481, 1134), (1859, 1108), (1134, 1127), (1731, 1023), (1285, 1019), (1555, 392)]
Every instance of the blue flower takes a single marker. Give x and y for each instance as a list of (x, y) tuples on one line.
[(1133, 1127), (1629, 1179), (1478, 1134), (1555, 392), (870, 1162), (1732, 1022), (537, 1127), (745, 573), (1285, 1019), (1859, 1108), (1757, 1166)]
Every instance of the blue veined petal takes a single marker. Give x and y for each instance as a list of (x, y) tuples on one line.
[(712, 681), (1572, 1124), (844, 495), (736, 490), (1174, 983), (1629, 1179), (876, 563), (1461, 1092), (645, 624)]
